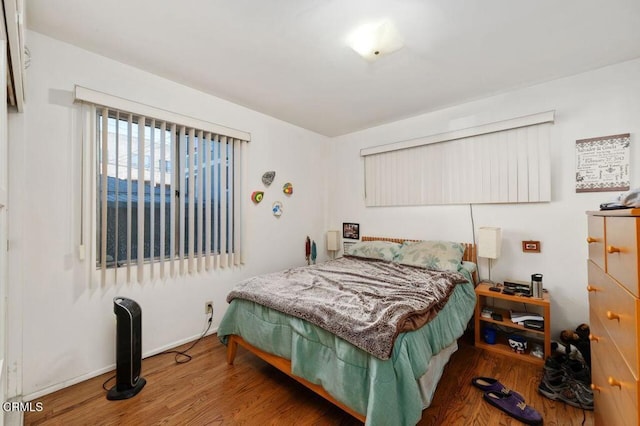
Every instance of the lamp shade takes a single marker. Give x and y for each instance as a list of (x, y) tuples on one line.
[(333, 241), (489, 242)]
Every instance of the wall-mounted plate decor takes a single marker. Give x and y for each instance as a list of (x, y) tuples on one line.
[(276, 208), (267, 177), (257, 196), (287, 188)]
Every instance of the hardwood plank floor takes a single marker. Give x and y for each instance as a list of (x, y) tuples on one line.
[(207, 391)]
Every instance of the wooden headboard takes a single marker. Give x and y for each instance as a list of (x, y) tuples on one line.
[(469, 255)]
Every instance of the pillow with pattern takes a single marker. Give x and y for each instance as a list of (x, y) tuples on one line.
[(383, 250), (440, 255)]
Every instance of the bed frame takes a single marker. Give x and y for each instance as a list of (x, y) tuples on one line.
[(284, 364)]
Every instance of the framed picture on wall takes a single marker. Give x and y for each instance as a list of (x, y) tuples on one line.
[(351, 231), (602, 164)]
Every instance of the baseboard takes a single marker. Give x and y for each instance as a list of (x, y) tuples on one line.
[(13, 418), (53, 388)]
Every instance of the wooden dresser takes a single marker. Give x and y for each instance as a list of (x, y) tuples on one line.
[(614, 314)]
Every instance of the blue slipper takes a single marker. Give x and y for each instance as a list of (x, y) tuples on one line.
[(514, 407), (488, 384)]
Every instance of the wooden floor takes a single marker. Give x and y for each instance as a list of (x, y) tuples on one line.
[(207, 391)]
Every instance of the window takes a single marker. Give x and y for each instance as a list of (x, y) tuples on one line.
[(502, 162), (167, 194)]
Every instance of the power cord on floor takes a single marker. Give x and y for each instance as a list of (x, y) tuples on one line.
[(104, 385), (181, 357), (185, 356)]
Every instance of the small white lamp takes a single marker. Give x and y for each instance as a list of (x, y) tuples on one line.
[(333, 242), (489, 244)]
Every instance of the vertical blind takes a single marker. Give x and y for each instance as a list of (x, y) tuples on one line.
[(504, 162), (167, 194)]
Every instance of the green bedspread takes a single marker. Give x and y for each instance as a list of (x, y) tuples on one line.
[(386, 391)]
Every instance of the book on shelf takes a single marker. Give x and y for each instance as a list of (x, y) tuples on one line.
[(516, 285), (521, 317), (486, 312)]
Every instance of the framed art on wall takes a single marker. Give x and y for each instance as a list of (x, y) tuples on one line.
[(602, 164), (351, 231), (531, 246)]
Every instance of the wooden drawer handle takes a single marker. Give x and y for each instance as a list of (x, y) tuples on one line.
[(595, 388), (592, 240), (614, 382), (591, 288), (594, 338), (612, 249), (613, 316)]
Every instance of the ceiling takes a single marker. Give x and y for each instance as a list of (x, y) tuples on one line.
[(289, 58)]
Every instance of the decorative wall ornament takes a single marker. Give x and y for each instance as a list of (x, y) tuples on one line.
[(314, 252), (602, 164), (257, 196), (267, 178), (276, 208)]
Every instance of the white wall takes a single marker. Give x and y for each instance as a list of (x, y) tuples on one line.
[(68, 330), (599, 103)]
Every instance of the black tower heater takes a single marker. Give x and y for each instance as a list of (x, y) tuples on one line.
[(128, 349)]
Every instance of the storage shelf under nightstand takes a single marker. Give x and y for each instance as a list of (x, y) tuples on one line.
[(501, 346)]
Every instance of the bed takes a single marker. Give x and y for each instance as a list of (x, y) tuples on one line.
[(377, 381)]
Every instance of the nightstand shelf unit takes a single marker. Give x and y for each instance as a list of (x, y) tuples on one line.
[(514, 302)]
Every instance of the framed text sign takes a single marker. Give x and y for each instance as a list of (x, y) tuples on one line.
[(602, 164)]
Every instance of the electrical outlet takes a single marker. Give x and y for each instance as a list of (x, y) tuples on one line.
[(208, 307)]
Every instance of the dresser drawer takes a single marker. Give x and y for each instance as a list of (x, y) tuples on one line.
[(621, 248), (616, 389), (617, 310), (595, 239)]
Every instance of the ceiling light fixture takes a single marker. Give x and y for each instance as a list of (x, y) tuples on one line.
[(374, 40)]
